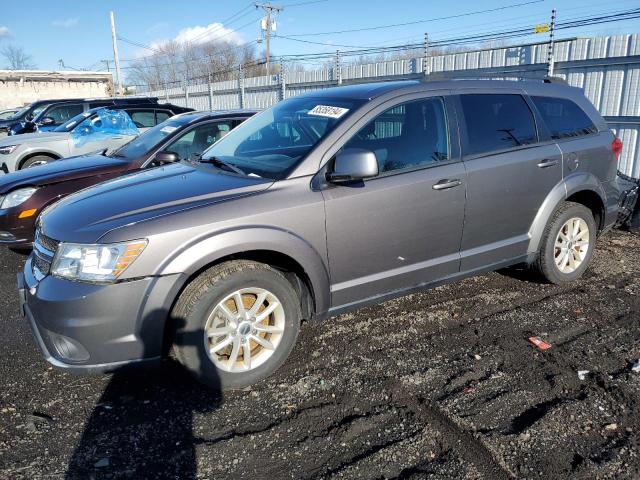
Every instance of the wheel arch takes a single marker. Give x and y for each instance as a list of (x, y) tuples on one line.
[(45, 153), (580, 187), (302, 264)]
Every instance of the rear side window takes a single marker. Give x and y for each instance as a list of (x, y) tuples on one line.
[(496, 122), (564, 118), (161, 116), (143, 118)]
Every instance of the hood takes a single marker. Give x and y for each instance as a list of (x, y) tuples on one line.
[(86, 216), (32, 138), (62, 170)]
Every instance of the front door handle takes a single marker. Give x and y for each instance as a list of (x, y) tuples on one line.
[(547, 162), (447, 183)]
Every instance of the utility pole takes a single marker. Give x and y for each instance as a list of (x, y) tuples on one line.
[(268, 25), (116, 58), (550, 60), (106, 64)]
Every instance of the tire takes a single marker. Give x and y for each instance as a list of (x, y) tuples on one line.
[(549, 254), (199, 310), (36, 161)]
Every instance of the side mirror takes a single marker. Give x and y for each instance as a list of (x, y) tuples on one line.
[(167, 157), (353, 164), (47, 121)]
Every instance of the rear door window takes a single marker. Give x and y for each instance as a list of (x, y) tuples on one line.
[(564, 118), (497, 122)]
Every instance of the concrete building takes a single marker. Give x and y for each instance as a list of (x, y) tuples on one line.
[(19, 87)]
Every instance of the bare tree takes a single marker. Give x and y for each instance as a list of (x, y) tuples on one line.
[(16, 58), (174, 62)]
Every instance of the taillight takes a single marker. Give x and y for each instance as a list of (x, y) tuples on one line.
[(616, 147)]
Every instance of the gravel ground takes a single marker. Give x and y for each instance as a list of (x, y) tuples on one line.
[(436, 385)]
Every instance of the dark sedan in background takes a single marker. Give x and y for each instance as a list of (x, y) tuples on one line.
[(56, 114), (24, 194), (26, 113)]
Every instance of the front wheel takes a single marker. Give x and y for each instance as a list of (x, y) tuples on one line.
[(236, 324), (567, 244)]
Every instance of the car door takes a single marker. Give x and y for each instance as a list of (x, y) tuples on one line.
[(402, 228), (510, 172)]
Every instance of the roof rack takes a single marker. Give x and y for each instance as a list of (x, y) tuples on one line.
[(459, 75)]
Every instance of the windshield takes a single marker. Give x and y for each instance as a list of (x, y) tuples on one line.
[(274, 142), (149, 140), (73, 121)]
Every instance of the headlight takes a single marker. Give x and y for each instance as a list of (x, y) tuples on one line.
[(95, 263), (8, 149), (17, 197)]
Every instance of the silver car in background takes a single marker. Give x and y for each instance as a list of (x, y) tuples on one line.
[(94, 130)]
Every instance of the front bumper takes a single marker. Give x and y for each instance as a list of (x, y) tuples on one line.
[(93, 328), (16, 232)]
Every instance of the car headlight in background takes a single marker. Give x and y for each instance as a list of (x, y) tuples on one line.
[(8, 149), (95, 263), (17, 197)]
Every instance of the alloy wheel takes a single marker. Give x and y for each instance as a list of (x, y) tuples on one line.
[(244, 329), (572, 245)]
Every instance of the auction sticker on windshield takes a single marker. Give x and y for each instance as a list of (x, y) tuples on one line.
[(328, 111), (168, 129)]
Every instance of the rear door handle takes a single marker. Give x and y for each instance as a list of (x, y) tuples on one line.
[(446, 183), (547, 162)]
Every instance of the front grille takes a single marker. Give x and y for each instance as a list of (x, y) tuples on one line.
[(44, 249), (45, 242), (41, 264)]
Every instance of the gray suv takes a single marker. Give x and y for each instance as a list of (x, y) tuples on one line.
[(319, 205)]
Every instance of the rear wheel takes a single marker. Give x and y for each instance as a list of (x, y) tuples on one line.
[(567, 244), (236, 324), (36, 161)]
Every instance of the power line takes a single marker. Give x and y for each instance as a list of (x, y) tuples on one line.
[(416, 22), (572, 23)]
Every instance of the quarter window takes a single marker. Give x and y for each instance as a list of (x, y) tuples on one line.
[(406, 136), (564, 118), (497, 122)]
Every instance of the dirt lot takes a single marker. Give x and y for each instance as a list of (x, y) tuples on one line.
[(436, 385)]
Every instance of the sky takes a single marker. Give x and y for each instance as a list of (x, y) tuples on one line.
[(78, 32)]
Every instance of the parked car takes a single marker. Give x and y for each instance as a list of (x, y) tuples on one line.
[(321, 204), (24, 194), (25, 113), (84, 133), (8, 113), (56, 114)]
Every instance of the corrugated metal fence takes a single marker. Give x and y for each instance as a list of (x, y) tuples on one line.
[(607, 68)]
